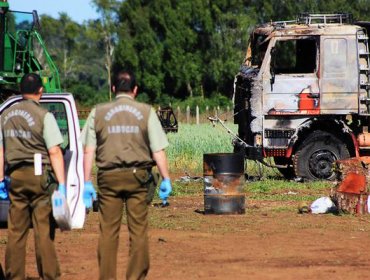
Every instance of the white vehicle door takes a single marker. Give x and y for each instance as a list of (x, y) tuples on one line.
[(291, 81), (64, 109)]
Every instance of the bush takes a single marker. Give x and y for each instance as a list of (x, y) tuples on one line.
[(216, 100), (88, 96)]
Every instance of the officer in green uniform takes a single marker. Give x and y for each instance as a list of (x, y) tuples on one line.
[(128, 140), (29, 147)]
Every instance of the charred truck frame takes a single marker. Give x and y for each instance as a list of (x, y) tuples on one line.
[(302, 95)]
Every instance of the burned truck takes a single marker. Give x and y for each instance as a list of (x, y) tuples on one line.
[(302, 95)]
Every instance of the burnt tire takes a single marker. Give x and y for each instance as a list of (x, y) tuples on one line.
[(288, 173), (314, 158)]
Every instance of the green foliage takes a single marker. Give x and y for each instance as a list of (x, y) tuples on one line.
[(273, 185), (216, 100), (177, 49), (87, 95), (181, 49), (76, 54)]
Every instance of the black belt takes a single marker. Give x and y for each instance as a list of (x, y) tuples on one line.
[(124, 168), (12, 168)]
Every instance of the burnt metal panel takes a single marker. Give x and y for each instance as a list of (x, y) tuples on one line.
[(290, 93), (278, 133), (339, 75)]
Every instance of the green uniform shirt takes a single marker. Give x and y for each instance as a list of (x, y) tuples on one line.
[(157, 137), (28, 129), (51, 132)]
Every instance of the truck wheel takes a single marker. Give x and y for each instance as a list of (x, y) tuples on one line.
[(315, 156), (288, 172)]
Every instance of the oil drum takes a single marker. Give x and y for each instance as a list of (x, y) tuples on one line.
[(223, 183)]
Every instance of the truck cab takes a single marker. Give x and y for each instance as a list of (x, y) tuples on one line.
[(302, 94)]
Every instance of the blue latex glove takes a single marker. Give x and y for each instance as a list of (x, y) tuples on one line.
[(165, 189), (89, 194), (62, 189), (4, 190)]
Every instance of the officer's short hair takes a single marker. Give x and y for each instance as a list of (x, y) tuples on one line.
[(30, 83), (124, 81)]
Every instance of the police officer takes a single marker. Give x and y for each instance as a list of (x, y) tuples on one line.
[(27, 129), (128, 140)]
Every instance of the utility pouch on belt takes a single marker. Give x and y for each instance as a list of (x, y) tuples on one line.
[(50, 182), (151, 184)]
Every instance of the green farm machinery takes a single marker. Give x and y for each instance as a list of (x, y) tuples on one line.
[(22, 51)]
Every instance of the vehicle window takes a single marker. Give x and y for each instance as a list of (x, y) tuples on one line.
[(335, 58), (59, 111), (19, 21), (294, 56), (259, 46)]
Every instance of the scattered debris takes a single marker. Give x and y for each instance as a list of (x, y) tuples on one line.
[(323, 205), (199, 211), (351, 194), (303, 208), (161, 205), (291, 193), (188, 179)]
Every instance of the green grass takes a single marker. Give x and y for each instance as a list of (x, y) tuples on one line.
[(272, 185), (266, 189), (185, 153)]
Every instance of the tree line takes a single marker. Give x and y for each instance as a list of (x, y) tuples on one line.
[(179, 50)]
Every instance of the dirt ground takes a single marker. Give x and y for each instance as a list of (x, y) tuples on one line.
[(270, 241)]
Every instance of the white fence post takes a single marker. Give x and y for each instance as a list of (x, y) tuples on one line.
[(197, 115), (178, 113), (188, 114)]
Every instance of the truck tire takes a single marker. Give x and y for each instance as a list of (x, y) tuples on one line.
[(288, 173), (314, 158)]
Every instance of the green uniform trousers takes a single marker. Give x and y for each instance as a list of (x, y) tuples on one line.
[(116, 187), (30, 199)]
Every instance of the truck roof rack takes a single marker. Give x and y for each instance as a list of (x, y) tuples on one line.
[(335, 18)]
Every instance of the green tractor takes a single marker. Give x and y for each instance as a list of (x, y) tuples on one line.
[(22, 51)]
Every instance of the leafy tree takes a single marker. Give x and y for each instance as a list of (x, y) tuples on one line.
[(106, 32), (184, 49), (177, 49), (60, 37), (77, 54)]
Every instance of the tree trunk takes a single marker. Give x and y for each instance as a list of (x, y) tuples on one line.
[(190, 89)]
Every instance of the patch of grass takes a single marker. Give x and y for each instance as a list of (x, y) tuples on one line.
[(268, 189), (184, 189), (281, 190), (284, 209), (284, 197), (270, 185), (187, 147), (185, 153), (157, 219)]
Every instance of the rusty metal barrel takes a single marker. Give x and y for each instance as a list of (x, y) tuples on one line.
[(223, 183)]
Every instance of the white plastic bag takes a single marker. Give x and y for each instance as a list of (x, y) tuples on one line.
[(322, 205), (61, 211)]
